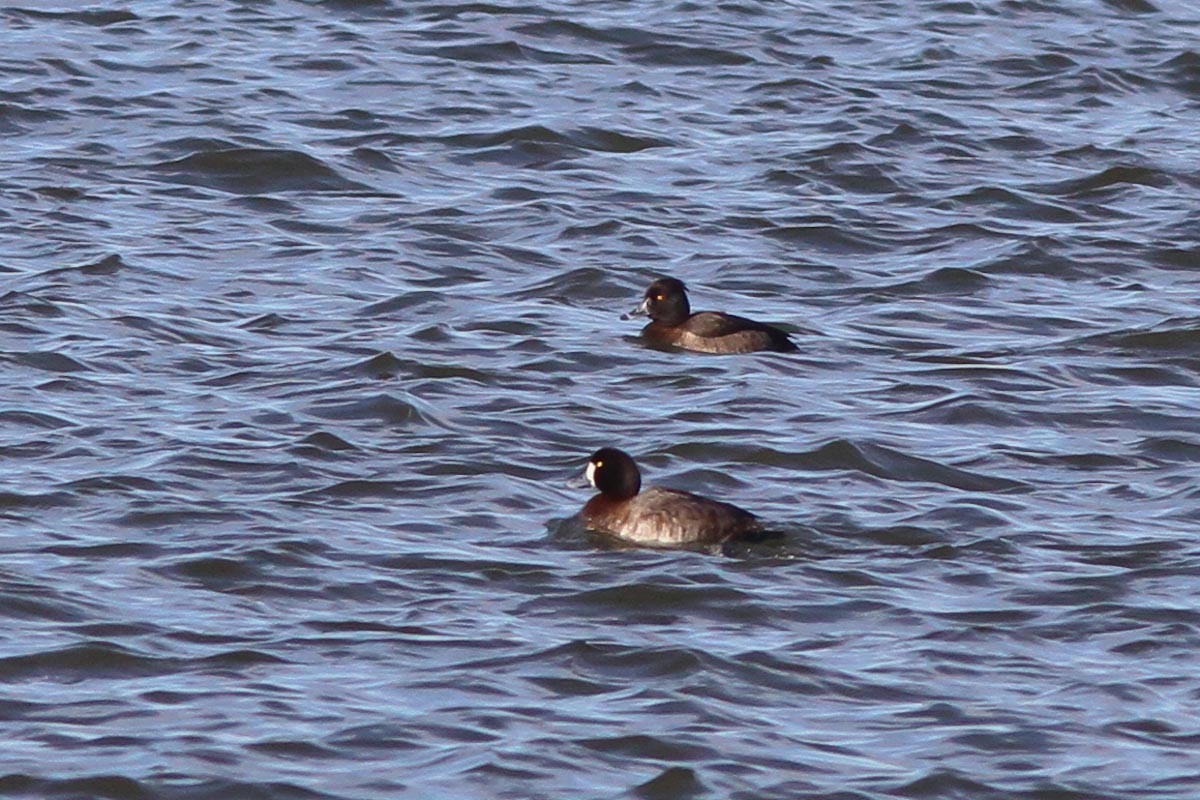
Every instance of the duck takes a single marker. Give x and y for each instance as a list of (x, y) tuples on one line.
[(656, 516), (672, 324)]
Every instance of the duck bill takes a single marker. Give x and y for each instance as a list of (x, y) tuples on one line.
[(580, 481), (641, 311)]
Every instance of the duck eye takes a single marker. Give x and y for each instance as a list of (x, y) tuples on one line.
[(599, 464), (658, 297)]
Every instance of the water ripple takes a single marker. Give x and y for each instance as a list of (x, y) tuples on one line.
[(309, 311)]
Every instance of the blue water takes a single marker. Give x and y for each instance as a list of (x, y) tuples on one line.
[(308, 311)]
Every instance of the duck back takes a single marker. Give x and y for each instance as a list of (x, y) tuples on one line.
[(717, 332), (669, 517)]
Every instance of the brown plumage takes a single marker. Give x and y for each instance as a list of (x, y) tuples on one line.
[(657, 516), (673, 324)]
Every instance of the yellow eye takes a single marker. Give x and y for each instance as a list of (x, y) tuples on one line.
[(599, 464), (658, 297)]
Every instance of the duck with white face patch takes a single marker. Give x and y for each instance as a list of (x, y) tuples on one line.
[(657, 516), (672, 324)]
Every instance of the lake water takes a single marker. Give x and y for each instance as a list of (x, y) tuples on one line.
[(308, 310)]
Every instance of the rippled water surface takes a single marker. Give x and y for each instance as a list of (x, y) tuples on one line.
[(309, 309)]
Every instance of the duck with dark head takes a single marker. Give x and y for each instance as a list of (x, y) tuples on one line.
[(657, 516), (672, 324)]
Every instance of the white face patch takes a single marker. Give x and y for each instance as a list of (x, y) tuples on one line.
[(591, 473)]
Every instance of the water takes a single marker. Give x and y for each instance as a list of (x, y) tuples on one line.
[(310, 309)]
